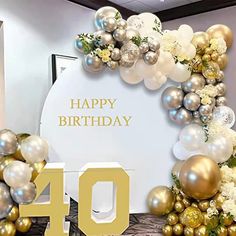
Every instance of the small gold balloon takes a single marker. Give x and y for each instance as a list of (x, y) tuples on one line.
[(13, 215), (179, 206), (179, 197), (200, 177), (194, 204), (210, 70), (167, 230), (222, 61), (178, 229), (227, 219), (206, 58), (208, 51), (201, 231), (215, 56), (4, 162), (161, 200), (36, 169), (23, 224), (204, 205), (172, 219), (192, 217), (176, 169), (17, 155), (186, 202), (188, 231), (210, 221), (221, 31), (232, 230), (219, 200), (222, 231), (201, 41), (7, 228)]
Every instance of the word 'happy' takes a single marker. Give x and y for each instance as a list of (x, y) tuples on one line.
[(89, 120)]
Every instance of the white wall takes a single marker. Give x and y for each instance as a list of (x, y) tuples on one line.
[(2, 87), (33, 30)]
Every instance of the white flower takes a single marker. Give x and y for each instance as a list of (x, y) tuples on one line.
[(219, 45), (212, 211), (229, 207), (226, 174)]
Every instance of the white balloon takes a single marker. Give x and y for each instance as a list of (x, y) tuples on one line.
[(186, 33), (182, 153), (155, 82), (165, 63), (34, 149), (219, 149), (192, 137), (129, 75), (143, 69), (224, 115), (17, 174), (189, 51), (150, 20), (180, 73)]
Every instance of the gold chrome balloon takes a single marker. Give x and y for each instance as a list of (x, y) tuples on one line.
[(178, 229), (219, 200), (172, 219), (167, 230), (7, 228), (13, 214), (17, 155), (222, 231), (204, 205), (186, 202), (227, 219), (206, 57), (232, 230), (221, 31), (201, 231), (177, 167), (4, 162), (179, 206), (215, 56), (200, 177), (192, 217), (161, 200), (188, 231), (23, 224), (222, 61), (200, 41), (36, 169)]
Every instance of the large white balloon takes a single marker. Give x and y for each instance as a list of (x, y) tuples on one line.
[(165, 63), (34, 149), (219, 149), (150, 20), (180, 73), (17, 174), (156, 81), (224, 115), (192, 137), (129, 75), (144, 70), (186, 33)]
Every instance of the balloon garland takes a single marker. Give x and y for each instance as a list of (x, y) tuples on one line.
[(22, 157), (202, 200)]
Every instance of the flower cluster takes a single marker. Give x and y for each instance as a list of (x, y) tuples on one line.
[(218, 45), (207, 93)]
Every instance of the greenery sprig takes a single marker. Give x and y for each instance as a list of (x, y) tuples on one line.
[(87, 42), (176, 181), (138, 40), (157, 26)]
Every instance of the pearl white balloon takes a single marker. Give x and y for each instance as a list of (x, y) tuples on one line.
[(149, 20), (180, 73), (189, 51), (155, 82), (129, 75), (192, 137), (165, 63), (34, 149), (220, 149), (186, 33), (17, 174), (144, 70), (224, 115)]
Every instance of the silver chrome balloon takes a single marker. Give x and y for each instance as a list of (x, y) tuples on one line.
[(144, 47), (183, 117), (172, 97), (109, 24), (194, 83), (211, 81), (172, 114), (119, 35), (154, 45), (8, 142), (221, 89), (205, 110), (221, 101), (196, 114), (24, 195), (103, 13), (131, 33), (6, 202), (206, 119), (192, 101), (116, 54), (122, 24), (220, 77), (92, 63), (79, 45), (103, 38), (150, 58)]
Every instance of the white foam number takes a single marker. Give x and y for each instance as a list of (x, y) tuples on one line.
[(57, 206)]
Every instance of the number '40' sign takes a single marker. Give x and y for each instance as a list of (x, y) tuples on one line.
[(57, 206)]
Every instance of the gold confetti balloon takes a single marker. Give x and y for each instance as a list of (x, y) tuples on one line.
[(196, 63), (13, 215), (172, 219), (232, 230), (23, 224), (200, 41), (201, 231), (221, 31), (161, 200), (210, 70), (4, 162), (188, 231), (200, 177), (192, 217), (167, 230), (7, 228), (178, 229)]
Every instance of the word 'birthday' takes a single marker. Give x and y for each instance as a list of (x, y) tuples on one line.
[(90, 120)]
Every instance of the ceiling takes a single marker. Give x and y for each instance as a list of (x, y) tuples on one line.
[(151, 5)]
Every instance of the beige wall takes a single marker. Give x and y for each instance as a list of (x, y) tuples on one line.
[(2, 86)]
